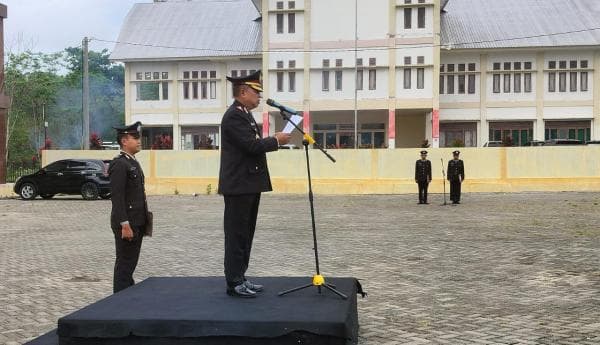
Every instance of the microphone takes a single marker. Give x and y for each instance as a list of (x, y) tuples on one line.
[(281, 107)]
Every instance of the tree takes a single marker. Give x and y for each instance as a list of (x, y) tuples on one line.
[(36, 83)]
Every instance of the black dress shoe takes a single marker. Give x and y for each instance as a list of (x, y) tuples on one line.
[(241, 291), (253, 287)]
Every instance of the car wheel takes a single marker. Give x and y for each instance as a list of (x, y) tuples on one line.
[(47, 196), (105, 196), (28, 191), (89, 191)]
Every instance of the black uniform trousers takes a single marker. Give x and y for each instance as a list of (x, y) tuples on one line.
[(240, 223), (128, 254), (455, 190), (423, 185)]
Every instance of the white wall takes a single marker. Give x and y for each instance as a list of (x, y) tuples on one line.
[(334, 20)]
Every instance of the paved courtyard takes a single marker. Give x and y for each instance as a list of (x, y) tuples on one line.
[(497, 269)]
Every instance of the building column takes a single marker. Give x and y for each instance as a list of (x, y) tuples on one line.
[(595, 135), (176, 129), (539, 129), (392, 128), (483, 134)]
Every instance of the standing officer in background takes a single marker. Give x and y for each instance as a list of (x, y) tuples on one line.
[(243, 176), (456, 175), (129, 208), (423, 176)]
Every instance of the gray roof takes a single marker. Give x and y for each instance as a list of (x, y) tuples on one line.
[(477, 24), (189, 29)]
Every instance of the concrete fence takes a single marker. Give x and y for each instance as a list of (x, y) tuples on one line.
[(513, 169)]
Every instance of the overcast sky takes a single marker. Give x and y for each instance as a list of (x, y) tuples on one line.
[(52, 25)]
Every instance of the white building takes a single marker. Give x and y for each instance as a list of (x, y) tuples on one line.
[(388, 72)]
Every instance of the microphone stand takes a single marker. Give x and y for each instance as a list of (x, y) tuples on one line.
[(318, 280), (444, 177)]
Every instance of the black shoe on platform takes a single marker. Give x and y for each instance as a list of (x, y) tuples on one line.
[(253, 287), (241, 291)]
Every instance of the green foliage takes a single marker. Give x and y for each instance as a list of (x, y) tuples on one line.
[(36, 83)]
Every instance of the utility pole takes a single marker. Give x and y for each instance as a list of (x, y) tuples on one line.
[(3, 103), (86, 97)]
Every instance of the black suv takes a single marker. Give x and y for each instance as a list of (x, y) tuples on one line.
[(88, 177)]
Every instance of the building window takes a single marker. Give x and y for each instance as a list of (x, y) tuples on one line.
[(461, 67), (234, 73), (507, 83), (338, 80), (420, 78), (461, 84), (165, 75), (359, 79), (562, 65), (279, 23), (421, 17), (573, 80), (527, 65), (527, 82), (139, 76), (496, 66), (279, 81), (148, 75), (471, 67), (562, 81), (243, 73), (148, 91), (279, 5), (359, 74), (450, 86), (291, 23), (517, 81), (292, 81), (584, 81), (578, 130), (511, 133), (204, 90), (552, 82), (186, 75), (420, 60), (325, 80), (442, 84), (203, 75), (213, 90), (372, 79), (165, 90), (407, 60), (186, 90), (213, 74), (407, 78), (194, 74), (408, 18), (291, 5), (496, 81), (195, 90), (471, 83), (279, 64)]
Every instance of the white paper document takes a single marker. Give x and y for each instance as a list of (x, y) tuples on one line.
[(289, 127)]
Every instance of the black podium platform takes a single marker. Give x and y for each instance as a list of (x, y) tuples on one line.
[(194, 310)]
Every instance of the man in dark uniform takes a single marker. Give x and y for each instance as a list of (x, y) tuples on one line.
[(456, 175), (129, 208), (423, 176), (243, 176)]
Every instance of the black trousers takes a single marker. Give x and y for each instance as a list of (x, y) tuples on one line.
[(239, 223), (128, 254), (423, 185), (455, 190)]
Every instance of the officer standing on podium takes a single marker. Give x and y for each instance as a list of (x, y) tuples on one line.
[(129, 208), (423, 176), (243, 176), (456, 175)]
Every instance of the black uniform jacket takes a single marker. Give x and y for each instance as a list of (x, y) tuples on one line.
[(423, 170), (243, 167), (127, 192), (456, 170)]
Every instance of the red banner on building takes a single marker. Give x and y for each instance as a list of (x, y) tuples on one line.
[(435, 123)]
